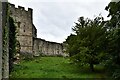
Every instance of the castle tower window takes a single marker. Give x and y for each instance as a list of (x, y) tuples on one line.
[(18, 24), (24, 29)]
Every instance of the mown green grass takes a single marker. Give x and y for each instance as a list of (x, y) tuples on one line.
[(53, 67)]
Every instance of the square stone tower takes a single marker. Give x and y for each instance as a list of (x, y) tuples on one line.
[(26, 31)]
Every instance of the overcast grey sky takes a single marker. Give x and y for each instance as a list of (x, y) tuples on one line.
[(55, 18)]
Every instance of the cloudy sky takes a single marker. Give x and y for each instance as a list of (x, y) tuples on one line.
[(55, 18)]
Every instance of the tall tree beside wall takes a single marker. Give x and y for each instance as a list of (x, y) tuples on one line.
[(87, 46), (113, 62)]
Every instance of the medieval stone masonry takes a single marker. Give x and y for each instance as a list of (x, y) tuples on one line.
[(4, 41), (47, 48), (27, 34)]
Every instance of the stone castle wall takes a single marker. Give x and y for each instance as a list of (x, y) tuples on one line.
[(27, 34), (25, 28), (43, 47)]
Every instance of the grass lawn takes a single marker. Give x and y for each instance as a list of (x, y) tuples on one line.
[(53, 67)]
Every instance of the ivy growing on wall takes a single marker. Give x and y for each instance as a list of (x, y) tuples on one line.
[(12, 42)]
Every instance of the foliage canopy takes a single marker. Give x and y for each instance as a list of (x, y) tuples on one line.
[(87, 46)]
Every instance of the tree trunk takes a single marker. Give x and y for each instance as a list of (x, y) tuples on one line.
[(91, 67)]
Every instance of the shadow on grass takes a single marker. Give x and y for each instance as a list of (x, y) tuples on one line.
[(19, 67)]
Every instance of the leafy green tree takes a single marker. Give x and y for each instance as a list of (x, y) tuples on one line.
[(114, 13), (113, 62), (89, 41), (71, 45)]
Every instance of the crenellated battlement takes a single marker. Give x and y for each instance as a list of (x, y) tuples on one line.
[(21, 11), (21, 8), (12, 5)]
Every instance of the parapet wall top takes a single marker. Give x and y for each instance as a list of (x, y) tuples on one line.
[(21, 8)]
